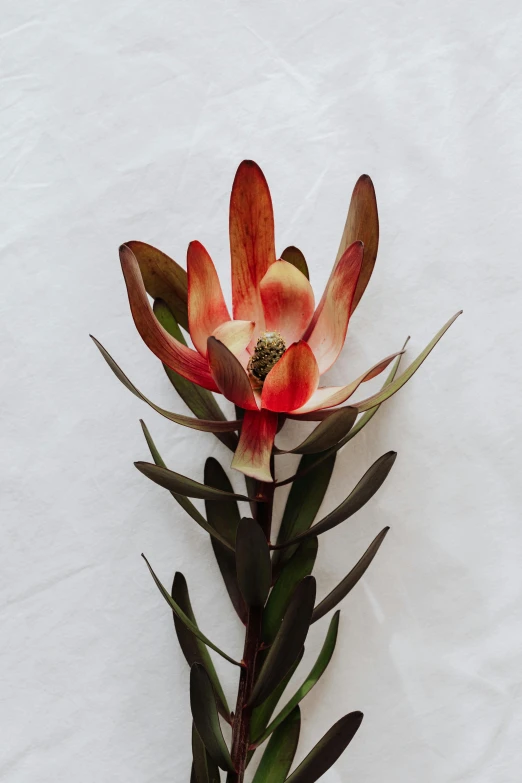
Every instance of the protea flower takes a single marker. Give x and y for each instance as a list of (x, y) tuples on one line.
[(269, 355)]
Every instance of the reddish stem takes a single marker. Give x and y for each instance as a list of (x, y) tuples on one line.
[(253, 643)]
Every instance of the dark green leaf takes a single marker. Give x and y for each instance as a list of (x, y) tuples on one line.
[(279, 754), (300, 565), (372, 480), (344, 587), (224, 517), (262, 714), (201, 402), (182, 485), (195, 424), (359, 425), (325, 656), (194, 650), (294, 256), (186, 620), (163, 278), (185, 503), (304, 501), (253, 565), (288, 642), (327, 750), (328, 433), (391, 388), (206, 718), (205, 768)]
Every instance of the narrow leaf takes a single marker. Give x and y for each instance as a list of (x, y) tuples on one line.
[(201, 402), (392, 388), (349, 582), (205, 768), (185, 503), (288, 642), (300, 565), (372, 481), (186, 620), (182, 485), (304, 501), (279, 754), (359, 425), (295, 257), (163, 278), (194, 650), (262, 714), (206, 718), (186, 421), (328, 433), (327, 750), (253, 565), (325, 656), (224, 518)]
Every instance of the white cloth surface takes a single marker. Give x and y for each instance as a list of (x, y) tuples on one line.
[(126, 120)]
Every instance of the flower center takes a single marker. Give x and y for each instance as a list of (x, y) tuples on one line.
[(269, 348)]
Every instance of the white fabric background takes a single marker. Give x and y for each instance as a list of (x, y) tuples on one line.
[(126, 120)]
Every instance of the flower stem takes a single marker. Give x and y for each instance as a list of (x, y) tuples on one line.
[(253, 642)]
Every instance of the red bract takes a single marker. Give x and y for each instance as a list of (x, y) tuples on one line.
[(270, 297)]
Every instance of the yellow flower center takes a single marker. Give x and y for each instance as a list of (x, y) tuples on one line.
[(269, 348)]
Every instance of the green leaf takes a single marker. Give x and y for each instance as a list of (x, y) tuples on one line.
[(325, 656), (205, 768), (358, 426), (294, 256), (201, 402), (262, 714), (186, 620), (349, 582), (288, 642), (300, 565), (186, 421), (279, 754), (328, 433), (327, 750), (304, 501), (163, 278), (206, 718), (194, 650), (182, 485), (185, 503), (224, 517), (392, 388), (372, 481), (253, 565)]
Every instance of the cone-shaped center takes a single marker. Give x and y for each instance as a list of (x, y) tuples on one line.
[(269, 348)]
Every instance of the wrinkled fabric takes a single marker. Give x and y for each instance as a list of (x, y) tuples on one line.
[(126, 120)]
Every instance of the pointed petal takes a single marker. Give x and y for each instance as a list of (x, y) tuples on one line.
[(229, 375), (206, 305), (252, 245), (174, 354), (252, 456), (288, 301), (292, 381), (362, 224), (163, 278), (326, 338), (329, 396), (236, 335)]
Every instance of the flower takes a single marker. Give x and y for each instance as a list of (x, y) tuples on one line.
[(268, 357)]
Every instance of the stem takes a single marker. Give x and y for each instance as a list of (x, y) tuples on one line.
[(253, 642)]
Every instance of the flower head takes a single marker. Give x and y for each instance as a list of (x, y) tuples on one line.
[(268, 357)]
